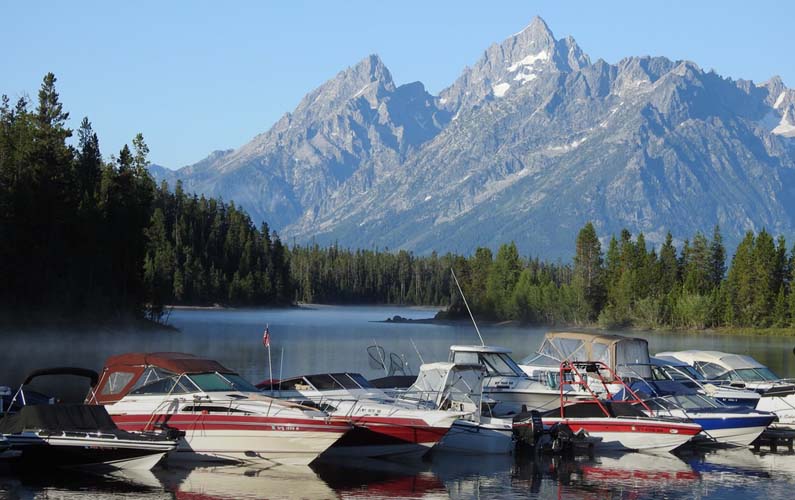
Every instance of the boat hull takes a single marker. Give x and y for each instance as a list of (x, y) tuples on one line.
[(782, 406), (491, 436), (85, 451), (387, 437), (733, 430), (631, 434), (249, 439)]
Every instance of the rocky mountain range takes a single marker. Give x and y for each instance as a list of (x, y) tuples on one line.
[(527, 145)]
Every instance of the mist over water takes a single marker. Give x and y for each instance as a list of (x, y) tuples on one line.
[(314, 339)]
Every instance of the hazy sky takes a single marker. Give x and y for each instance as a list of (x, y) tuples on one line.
[(199, 76)]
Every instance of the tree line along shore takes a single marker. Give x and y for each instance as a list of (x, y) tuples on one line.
[(86, 236)]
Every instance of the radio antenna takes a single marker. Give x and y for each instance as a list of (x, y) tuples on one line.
[(467, 306)]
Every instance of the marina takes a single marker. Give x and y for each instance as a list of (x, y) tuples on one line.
[(572, 460)]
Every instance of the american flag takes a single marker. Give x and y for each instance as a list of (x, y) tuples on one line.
[(266, 338)]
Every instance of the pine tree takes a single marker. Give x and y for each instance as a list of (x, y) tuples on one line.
[(717, 258), (588, 278)]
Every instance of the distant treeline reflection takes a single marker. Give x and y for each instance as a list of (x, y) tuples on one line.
[(92, 237)]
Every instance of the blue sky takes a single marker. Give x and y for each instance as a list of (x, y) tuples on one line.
[(198, 76)]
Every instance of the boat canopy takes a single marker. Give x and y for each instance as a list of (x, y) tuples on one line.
[(448, 385), (57, 418), (726, 360), (64, 370), (124, 372), (479, 348), (615, 351)]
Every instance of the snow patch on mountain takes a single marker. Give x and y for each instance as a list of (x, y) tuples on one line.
[(500, 89), (780, 99), (530, 60), (785, 127)]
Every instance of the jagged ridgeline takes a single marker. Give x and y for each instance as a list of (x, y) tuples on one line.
[(527, 145), (96, 239)]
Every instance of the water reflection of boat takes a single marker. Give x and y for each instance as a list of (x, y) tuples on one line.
[(79, 485), (778, 464), (242, 482), (601, 477), (375, 478), (637, 468)]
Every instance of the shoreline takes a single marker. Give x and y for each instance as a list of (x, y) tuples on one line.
[(729, 331)]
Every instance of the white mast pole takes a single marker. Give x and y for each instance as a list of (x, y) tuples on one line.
[(467, 306)]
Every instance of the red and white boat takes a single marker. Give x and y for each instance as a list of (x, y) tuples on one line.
[(383, 426), (224, 417), (618, 421)]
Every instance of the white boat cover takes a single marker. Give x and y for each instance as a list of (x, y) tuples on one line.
[(724, 359), (613, 350)]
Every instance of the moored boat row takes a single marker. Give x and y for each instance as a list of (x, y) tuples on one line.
[(143, 406)]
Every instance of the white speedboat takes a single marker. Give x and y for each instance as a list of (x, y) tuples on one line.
[(383, 425), (744, 372), (506, 383), (223, 416), (448, 386)]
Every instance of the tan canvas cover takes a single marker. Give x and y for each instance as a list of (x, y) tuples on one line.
[(615, 351)]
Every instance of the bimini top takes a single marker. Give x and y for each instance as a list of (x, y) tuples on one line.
[(176, 362), (613, 350), (480, 348), (125, 372), (725, 360)]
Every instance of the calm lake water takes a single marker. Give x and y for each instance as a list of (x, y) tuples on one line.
[(322, 339)]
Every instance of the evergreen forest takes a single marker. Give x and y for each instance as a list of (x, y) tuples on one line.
[(94, 237)]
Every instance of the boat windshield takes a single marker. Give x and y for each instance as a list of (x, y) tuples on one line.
[(753, 375), (677, 373), (693, 401), (215, 382), (169, 384), (500, 364)]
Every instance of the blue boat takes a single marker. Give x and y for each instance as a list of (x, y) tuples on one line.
[(721, 424)]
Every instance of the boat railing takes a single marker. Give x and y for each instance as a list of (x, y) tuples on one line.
[(570, 375)]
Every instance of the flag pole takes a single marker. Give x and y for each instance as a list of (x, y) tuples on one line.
[(281, 364), (266, 339)]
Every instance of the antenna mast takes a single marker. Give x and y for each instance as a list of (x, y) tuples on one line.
[(467, 306)]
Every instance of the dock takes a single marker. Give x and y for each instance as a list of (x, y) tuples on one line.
[(773, 438)]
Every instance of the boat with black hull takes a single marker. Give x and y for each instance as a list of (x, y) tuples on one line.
[(78, 435)]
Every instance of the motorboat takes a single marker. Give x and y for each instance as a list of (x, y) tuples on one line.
[(668, 368), (78, 435), (384, 426), (720, 424), (618, 423), (744, 372), (449, 386), (224, 417), (506, 383)]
